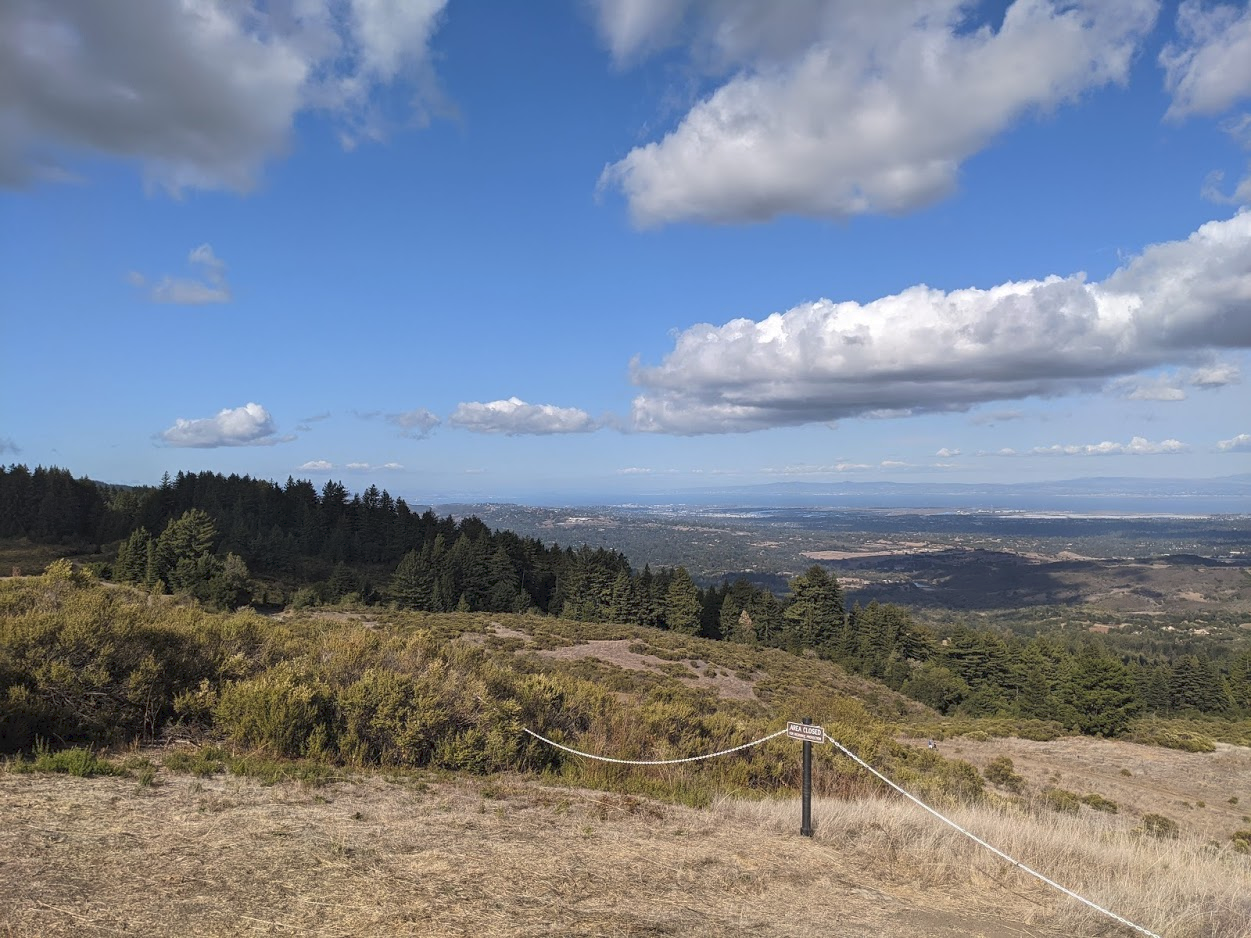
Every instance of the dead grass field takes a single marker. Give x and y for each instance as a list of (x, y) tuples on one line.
[(1194, 789), (228, 856), (502, 858)]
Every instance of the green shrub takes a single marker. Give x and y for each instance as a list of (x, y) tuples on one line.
[(204, 762), (79, 762), (1160, 827), (281, 712), (999, 771), (1241, 841), (1100, 803), (1062, 800)]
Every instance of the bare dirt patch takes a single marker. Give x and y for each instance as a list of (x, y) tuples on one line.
[(617, 652), (500, 859)]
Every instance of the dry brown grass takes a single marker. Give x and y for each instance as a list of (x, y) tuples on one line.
[(491, 858), (1194, 789), (1176, 888)]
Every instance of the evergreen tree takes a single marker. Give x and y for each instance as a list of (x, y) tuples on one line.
[(410, 585), (682, 606), (814, 615)]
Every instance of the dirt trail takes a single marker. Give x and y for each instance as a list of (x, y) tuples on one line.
[(227, 856)]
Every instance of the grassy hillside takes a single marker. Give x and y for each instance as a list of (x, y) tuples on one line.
[(406, 797)]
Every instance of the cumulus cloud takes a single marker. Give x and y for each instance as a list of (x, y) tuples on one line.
[(838, 109), (317, 465), (947, 452), (249, 425), (924, 350), (634, 471), (414, 424), (1239, 444), (209, 286), (200, 92), (514, 417), (1138, 446)]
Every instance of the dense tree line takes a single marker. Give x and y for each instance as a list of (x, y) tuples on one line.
[(230, 540)]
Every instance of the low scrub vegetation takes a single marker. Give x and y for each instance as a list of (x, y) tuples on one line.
[(82, 664)]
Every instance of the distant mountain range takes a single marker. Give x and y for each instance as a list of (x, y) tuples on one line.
[(1225, 495), (1112, 494)]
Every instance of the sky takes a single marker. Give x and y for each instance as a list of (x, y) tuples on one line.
[(494, 249)]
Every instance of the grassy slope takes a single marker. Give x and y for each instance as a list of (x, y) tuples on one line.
[(440, 854)]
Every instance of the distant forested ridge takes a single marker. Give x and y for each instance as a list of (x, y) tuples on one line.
[(233, 540)]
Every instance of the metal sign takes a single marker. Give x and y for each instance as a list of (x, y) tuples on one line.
[(805, 732)]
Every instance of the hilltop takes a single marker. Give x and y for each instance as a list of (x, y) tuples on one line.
[(363, 771)]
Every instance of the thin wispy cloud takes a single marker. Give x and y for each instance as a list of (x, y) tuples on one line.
[(249, 425), (1172, 386), (1207, 73), (208, 286), (415, 424), (1137, 446)]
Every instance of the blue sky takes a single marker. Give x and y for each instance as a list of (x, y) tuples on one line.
[(463, 249)]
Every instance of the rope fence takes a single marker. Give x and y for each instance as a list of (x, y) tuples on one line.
[(855, 758), (977, 840), (710, 755)]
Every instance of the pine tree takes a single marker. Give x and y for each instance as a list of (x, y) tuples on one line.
[(814, 616), (682, 605)]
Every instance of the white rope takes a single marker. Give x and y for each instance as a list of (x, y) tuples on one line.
[(711, 755), (995, 850)]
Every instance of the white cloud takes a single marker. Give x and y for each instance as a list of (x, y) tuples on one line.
[(1170, 386), (249, 425), (838, 109), (1138, 446), (201, 92), (806, 469), (370, 467), (947, 452), (1209, 69), (634, 470), (1216, 375), (515, 417), (1239, 444), (924, 350), (317, 465), (414, 424), (1163, 388), (209, 287)]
